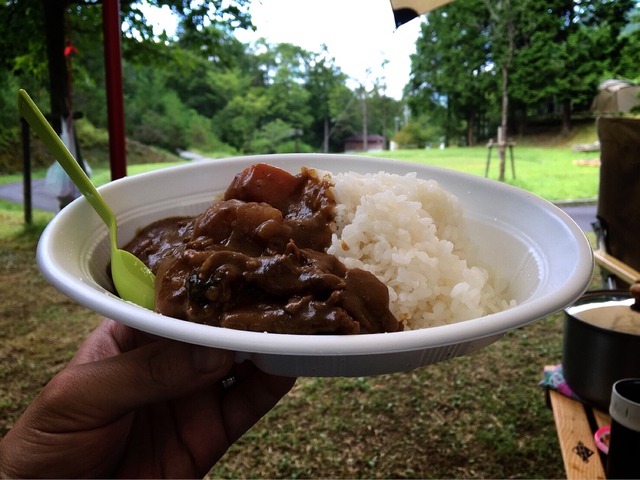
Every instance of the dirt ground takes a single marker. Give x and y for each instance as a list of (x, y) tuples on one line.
[(39, 329)]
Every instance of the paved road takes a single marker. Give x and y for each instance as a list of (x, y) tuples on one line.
[(42, 199), (583, 215)]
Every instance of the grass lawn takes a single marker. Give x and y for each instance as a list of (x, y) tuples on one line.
[(556, 174), (553, 174), (100, 176)]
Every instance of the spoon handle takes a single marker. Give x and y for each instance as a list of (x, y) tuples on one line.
[(47, 134)]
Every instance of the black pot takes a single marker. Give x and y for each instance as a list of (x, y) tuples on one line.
[(601, 344)]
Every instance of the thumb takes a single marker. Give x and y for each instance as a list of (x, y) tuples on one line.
[(96, 393)]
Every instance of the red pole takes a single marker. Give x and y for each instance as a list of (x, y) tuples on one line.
[(113, 72)]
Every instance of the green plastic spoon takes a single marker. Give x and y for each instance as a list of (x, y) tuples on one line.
[(133, 280)]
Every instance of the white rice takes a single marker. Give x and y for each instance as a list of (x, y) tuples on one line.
[(411, 234)]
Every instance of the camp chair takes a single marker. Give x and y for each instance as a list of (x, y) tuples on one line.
[(618, 213)]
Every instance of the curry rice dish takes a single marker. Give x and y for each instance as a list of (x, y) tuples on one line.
[(317, 253)]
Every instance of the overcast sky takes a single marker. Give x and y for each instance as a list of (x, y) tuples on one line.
[(359, 34)]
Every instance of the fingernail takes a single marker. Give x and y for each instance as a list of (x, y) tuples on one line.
[(207, 360)]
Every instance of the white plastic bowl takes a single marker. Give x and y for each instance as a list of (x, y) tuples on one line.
[(541, 253)]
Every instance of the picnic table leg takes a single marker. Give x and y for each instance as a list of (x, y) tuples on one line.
[(486, 171), (513, 168)]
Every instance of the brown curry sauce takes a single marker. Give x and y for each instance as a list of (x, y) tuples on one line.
[(256, 261)]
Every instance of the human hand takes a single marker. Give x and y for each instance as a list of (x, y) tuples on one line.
[(131, 406)]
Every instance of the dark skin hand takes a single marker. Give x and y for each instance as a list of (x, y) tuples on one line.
[(130, 406)]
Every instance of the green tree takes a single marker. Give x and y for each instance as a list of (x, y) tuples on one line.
[(451, 73), (204, 85), (242, 117), (40, 30), (418, 133), (155, 115), (277, 137), (533, 50), (345, 114), (630, 52), (381, 110), (593, 48), (506, 19), (322, 80), (285, 72)]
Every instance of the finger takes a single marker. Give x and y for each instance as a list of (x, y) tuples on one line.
[(96, 393), (108, 339), (105, 341)]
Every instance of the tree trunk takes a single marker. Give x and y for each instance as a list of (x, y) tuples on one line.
[(325, 140), (447, 128), (470, 128), (54, 23), (566, 117), (502, 141)]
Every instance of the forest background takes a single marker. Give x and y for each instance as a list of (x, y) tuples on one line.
[(480, 64)]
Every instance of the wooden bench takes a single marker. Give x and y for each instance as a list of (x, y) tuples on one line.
[(576, 424)]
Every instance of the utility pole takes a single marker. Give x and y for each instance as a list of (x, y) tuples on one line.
[(365, 144), (384, 104)]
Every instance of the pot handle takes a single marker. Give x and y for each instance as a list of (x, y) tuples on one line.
[(615, 266)]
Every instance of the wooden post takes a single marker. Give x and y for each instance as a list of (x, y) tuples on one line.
[(26, 162), (513, 168), (490, 146), (115, 103)]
